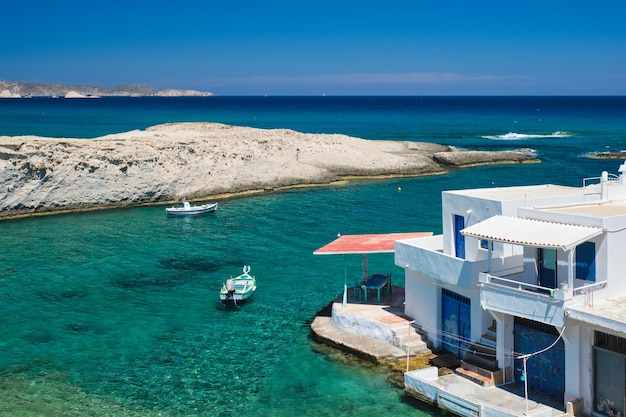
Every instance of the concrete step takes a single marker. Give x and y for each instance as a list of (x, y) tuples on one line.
[(486, 350), (415, 347), (474, 377), (445, 360), (488, 340), (495, 376), (481, 361), (405, 333), (407, 338), (483, 356), (400, 326)]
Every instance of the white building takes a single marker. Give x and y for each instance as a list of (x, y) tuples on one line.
[(535, 272)]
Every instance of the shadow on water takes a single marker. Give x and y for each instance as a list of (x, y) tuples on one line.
[(234, 307), (61, 295), (143, 280), (199, 263)]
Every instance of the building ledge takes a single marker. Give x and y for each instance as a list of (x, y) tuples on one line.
[(465, 398)]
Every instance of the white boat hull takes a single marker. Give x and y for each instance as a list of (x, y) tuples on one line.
[(236, 297), (239, 288), (190, 210)]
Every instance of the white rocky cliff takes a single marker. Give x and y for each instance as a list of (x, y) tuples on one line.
[(192, 160)]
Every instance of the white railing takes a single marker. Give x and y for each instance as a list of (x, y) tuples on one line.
[(590, 287), (588, 290), (559, 293), (611, 178), (511, 283), (596, 181)]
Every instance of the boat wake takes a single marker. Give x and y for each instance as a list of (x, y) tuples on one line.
[(522, 136)]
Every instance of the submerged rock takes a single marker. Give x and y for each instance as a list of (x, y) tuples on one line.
[(608, 155)]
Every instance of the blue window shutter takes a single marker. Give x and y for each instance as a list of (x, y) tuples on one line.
[(459, 239), (586, 261)]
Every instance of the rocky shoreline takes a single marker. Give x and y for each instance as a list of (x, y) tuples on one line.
[(166, 162)]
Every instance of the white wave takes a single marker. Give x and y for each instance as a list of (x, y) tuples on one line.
[(522, 136)]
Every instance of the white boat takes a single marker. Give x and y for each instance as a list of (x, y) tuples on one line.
[(189, 209), (239, 288)]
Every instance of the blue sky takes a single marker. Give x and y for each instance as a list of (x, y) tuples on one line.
[(233, 47)]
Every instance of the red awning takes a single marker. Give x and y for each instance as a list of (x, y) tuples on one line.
[(372, 243)]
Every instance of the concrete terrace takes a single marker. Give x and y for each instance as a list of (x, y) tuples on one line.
[(357, 341), (359, 328)]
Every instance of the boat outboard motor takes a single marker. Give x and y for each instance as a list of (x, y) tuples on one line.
[(230, 287)]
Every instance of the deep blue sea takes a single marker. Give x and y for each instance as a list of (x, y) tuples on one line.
[(120, 308)]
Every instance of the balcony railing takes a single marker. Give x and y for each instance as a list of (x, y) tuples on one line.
[(587, 291), (520, 299), (596, 180), (593, 185), (426, 256), (589, 288), (557, 293), (531, 301)]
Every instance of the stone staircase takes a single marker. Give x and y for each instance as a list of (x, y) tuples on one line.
[(408, 338), (480, 364)]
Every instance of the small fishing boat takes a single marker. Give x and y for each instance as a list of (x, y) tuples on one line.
[(239, 288), (189, 209)]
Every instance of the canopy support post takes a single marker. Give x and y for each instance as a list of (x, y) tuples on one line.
[(345, 282)]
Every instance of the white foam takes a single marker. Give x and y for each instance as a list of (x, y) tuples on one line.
[(522, 136)]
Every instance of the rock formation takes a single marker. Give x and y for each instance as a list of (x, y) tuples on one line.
[(608, 155), (466, 159), (197, 160)]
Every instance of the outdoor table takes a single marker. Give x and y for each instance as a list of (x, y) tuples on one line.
[(377, 282)]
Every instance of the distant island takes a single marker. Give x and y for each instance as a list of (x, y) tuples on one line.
[(9, 89)]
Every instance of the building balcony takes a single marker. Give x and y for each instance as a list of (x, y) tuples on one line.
[(426, 257), (533, 302)]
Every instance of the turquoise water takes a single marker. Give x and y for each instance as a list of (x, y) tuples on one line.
[(123, 304)]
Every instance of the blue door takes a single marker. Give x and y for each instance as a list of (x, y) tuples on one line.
[(459, 239), (544, 372), (456, 322), (547, 267)]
